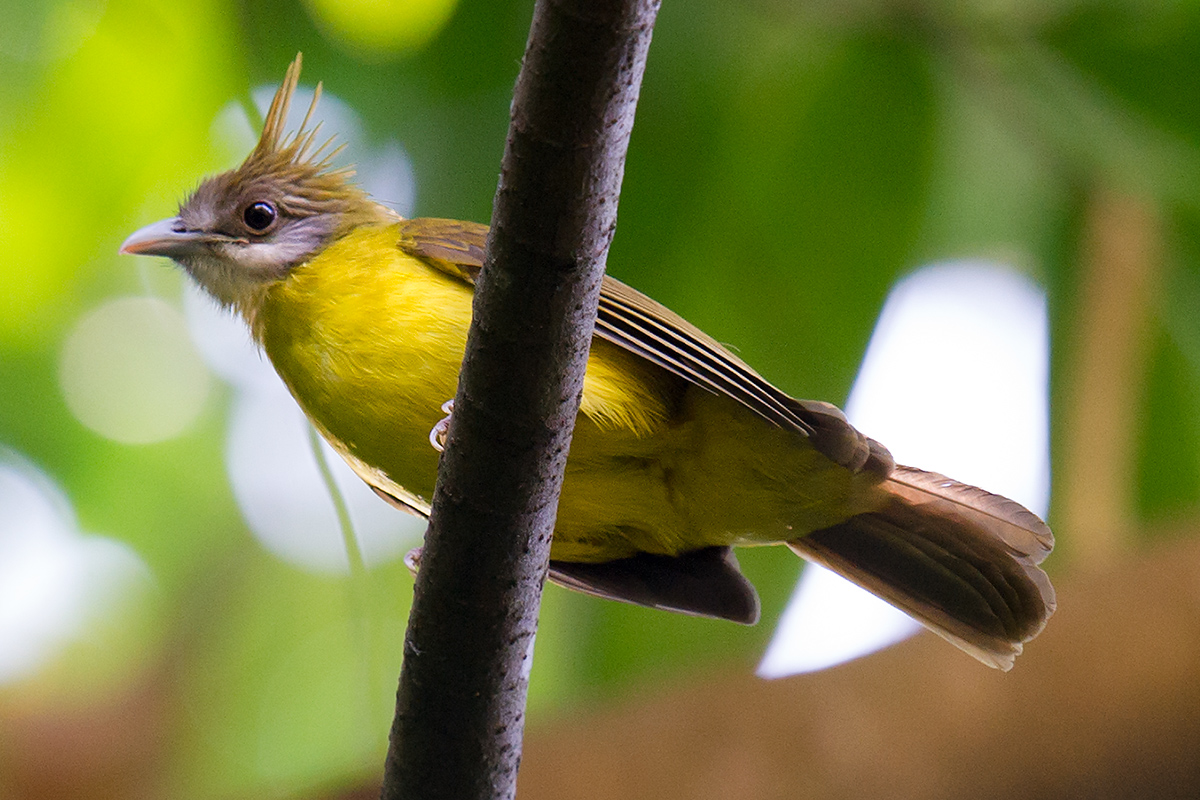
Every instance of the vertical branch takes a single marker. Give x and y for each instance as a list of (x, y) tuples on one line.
[(467, 654)]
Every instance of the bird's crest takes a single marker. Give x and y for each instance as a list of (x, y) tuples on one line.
[(296, 161)]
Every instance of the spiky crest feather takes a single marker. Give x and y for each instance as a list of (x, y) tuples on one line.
[(312, 185)]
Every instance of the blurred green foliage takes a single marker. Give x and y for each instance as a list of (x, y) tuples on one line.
[(790, 161)]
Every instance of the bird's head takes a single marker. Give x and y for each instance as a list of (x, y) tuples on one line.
[(244, 229)]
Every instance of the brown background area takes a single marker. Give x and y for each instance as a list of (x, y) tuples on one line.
[(1104, 704)]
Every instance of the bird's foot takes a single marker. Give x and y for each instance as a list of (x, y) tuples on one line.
[(437, 435), (412, 560)]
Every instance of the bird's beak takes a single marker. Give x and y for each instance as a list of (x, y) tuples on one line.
[(167, 237)]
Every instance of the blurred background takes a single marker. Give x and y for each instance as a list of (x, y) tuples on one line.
[(977, 223)]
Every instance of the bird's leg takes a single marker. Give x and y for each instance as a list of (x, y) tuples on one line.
[(437, 435)]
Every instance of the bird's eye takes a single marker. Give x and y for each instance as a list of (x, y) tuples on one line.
[(259, 216)]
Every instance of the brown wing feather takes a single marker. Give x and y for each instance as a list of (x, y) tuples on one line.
[(452, 246), (704, 583), (631, 320)]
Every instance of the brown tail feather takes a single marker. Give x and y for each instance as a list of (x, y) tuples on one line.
[(959, 560)]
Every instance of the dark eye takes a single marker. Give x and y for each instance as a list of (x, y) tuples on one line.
[(259, 216)]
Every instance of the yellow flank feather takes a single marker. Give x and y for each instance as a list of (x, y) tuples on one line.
[(621, 392)]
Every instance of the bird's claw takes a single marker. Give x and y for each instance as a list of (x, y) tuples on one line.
[(437, 435)]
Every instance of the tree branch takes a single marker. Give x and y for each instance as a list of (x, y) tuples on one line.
[(468, 651)]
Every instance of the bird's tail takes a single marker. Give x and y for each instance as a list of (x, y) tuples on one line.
[(959, 560)]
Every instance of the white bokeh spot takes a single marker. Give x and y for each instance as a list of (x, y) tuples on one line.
[(56, 583), (129, 372)]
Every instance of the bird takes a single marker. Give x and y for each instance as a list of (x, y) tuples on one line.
[(681, 451)]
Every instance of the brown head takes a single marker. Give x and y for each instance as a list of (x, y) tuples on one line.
[(246, 228)]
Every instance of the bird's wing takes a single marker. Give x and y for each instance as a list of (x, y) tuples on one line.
[(703, 583), (454, 247), (649, 329)]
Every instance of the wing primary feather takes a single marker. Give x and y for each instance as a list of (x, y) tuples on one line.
[(675, 344), (694, 359), (670, 352)]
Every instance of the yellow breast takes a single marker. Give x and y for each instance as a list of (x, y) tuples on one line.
[(370, 340)]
